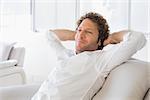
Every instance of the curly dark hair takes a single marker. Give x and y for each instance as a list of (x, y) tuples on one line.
[(102, 26)]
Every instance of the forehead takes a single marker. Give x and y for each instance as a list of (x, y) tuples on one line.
[(88, 24)]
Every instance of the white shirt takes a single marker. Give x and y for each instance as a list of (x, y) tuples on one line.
[(79, 77)]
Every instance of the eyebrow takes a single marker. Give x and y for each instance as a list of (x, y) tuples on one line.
[(87, 28)]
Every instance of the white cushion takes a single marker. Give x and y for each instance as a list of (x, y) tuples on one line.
[(127, 82), (5, 48), (18, 92)]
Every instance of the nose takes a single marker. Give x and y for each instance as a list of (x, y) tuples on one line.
[(81, 35)]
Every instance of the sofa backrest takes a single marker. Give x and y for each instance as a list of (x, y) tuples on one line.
[(128, 81)]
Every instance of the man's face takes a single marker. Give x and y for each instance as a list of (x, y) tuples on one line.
[(86, 36)]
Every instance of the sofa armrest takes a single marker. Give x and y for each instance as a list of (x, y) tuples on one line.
[(18, 54), (12, 76), (8, 63), (20, 92)]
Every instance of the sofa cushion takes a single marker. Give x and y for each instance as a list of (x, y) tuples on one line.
[(18, 92), (5, 48), (129, 81)]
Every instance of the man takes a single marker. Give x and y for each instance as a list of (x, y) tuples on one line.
[(81, 73)]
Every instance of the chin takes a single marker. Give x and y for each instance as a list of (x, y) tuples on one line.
[(79, 50)]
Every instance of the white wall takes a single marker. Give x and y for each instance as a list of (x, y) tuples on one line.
[(54, 14), (139, 15), (115, 11), (140, 22)]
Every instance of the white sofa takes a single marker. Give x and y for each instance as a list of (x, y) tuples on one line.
[(129, 81), (11, 69)]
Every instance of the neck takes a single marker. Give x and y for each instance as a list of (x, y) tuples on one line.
[(77, 52)]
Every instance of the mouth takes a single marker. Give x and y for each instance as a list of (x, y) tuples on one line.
[(80, 44), (80, 41)]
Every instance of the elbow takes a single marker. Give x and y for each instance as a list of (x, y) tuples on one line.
[(142, 41), (140, 38)]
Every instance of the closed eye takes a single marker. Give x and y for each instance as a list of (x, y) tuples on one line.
[(89, 32)]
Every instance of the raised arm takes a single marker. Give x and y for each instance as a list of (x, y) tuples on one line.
[(128, 43), (54, 36), (64, 34), (115, 37)]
